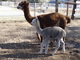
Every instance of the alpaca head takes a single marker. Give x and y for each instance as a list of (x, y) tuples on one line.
[(35, 22), (22, 5)]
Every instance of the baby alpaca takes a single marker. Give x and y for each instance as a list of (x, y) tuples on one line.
[(55, 33)]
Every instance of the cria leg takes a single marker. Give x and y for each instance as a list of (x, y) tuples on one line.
[(57, 46), (41, 47), (38, 37), (63, 45), (46, 47), (45, 43)]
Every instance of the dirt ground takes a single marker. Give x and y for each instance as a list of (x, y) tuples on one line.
[(18, 41)]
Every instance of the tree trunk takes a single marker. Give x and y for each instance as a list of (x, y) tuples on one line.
[(73, 12)]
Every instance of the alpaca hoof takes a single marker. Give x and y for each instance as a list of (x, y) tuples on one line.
[(63, 52), (52, 54), (40, 52), (45, 53)]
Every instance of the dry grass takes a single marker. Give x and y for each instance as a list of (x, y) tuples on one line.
[(18, 42)]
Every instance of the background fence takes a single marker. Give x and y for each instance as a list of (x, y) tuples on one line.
[(46, 8)]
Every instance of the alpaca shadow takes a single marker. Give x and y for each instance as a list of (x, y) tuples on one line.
[(73, 34), (74, 44), (24, 45), (25, 55), (73, 28), (18, 50)]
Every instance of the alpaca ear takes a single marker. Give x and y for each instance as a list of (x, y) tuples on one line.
[(36, 17), (23, 1), (37, 20), (27, 4)]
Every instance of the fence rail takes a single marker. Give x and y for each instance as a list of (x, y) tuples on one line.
[(63, 8)]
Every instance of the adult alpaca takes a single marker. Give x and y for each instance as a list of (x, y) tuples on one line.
[(46, 20), (55, 33)]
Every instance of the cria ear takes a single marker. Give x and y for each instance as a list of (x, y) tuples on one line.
[(36, 17), (37, 20)]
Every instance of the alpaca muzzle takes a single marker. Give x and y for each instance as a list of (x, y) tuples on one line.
[(19, 7)]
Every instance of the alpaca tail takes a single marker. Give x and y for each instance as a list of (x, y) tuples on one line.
[(68, 19)]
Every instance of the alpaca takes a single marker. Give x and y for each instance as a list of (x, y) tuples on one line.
[(46, 20), (56, 33)]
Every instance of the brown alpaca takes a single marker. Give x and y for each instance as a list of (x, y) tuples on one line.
[(46, 20)]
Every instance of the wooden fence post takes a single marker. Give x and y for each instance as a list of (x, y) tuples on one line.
[(73, 12), (56, 6), (67, 8)]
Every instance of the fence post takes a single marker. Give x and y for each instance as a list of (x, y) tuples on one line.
[(67, 8), (34, 8), (56, 6), (73, 12)]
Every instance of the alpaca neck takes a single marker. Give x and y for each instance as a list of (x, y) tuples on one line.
[(27, 14), (38, 28)]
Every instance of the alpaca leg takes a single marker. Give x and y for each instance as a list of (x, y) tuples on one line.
[(57, 46), (41, 46), (38, 36), (41, 38), (46, 47), (63, 45)]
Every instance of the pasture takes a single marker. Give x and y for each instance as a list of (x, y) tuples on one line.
[(18, 40)]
